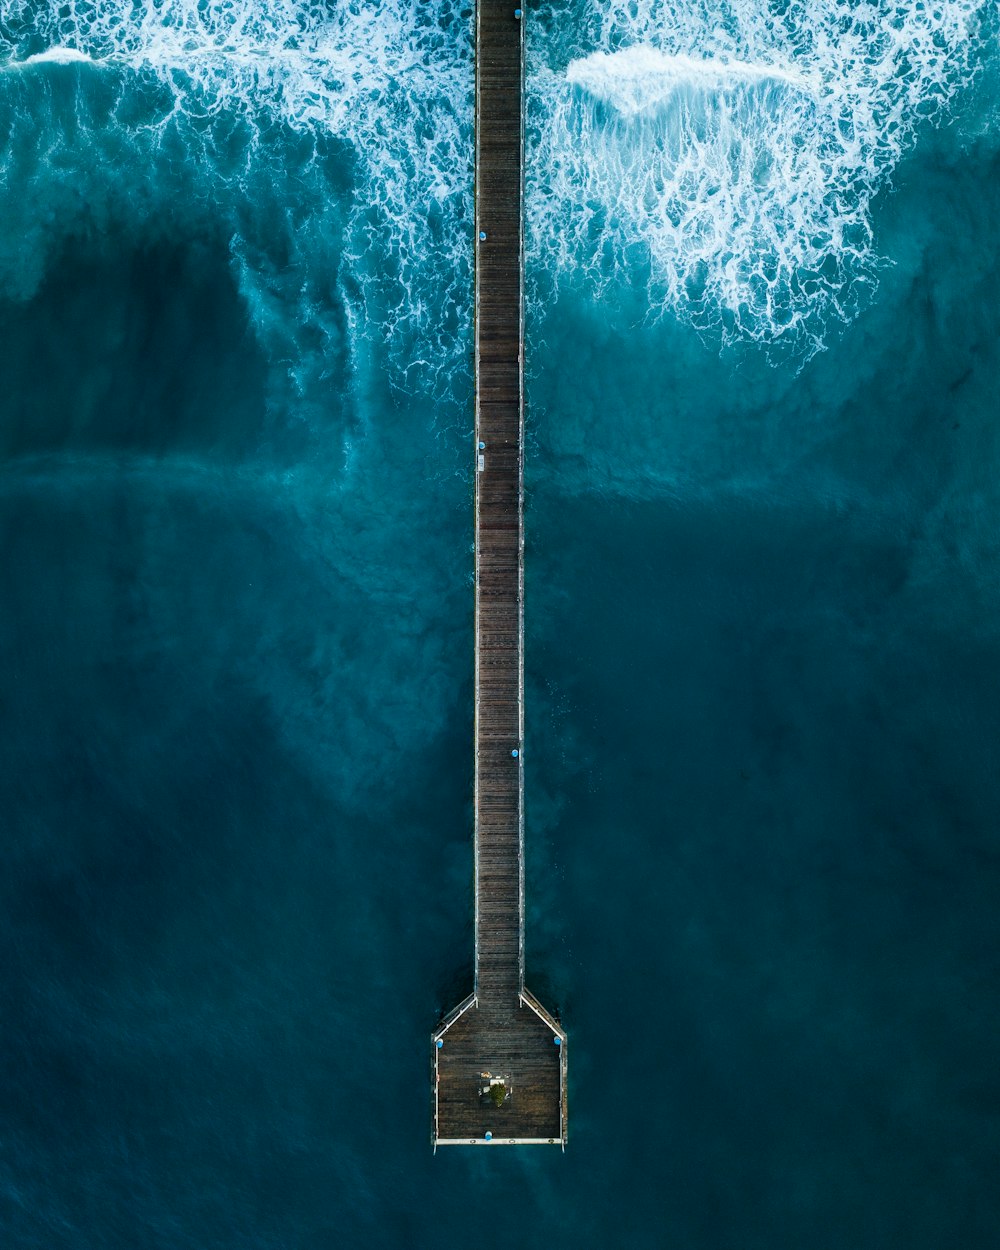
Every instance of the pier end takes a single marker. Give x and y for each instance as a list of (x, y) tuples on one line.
[(500, 1075)]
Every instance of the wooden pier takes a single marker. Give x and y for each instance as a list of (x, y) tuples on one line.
[(499, 1057)]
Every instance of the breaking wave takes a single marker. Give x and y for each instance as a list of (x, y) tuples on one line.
[(720, 161), (724, 159), (333, 141)]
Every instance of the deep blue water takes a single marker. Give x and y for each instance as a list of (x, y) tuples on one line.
[(763, 652)]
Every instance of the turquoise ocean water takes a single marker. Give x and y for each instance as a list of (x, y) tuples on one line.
[(763, 640)]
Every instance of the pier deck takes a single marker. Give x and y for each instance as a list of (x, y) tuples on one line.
[(500, 1033)]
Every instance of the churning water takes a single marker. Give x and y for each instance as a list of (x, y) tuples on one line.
[(236, 621)]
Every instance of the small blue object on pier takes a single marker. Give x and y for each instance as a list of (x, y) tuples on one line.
[(440, 1043), (557, 1040), (500, 1024)]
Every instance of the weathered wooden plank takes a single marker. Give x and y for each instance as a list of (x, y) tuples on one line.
[(498, 1036)]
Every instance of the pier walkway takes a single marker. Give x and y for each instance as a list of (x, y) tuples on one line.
[(499, 1057)]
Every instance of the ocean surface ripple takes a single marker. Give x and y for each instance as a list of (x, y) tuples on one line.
[(724, 159), (333, 140), (762, 613), (722, 163)]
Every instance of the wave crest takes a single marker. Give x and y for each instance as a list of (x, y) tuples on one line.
[(724, 161), (366, 104), (720, 161), (642, 78)]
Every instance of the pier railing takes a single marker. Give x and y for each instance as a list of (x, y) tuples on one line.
[(491, 1035)]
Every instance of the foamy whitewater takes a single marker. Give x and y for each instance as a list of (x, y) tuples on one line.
[(268, 111), (721, 161), (762, 622), (725, 158)]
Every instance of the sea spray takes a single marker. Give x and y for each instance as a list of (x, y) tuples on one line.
[(331, 143), (724, 161)]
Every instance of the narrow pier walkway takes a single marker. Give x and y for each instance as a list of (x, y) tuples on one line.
[(499, 1057)]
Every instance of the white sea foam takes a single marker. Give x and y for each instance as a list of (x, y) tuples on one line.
[(59, 56), (641, 78), (721, 157), (724, 158), (227, 79)]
